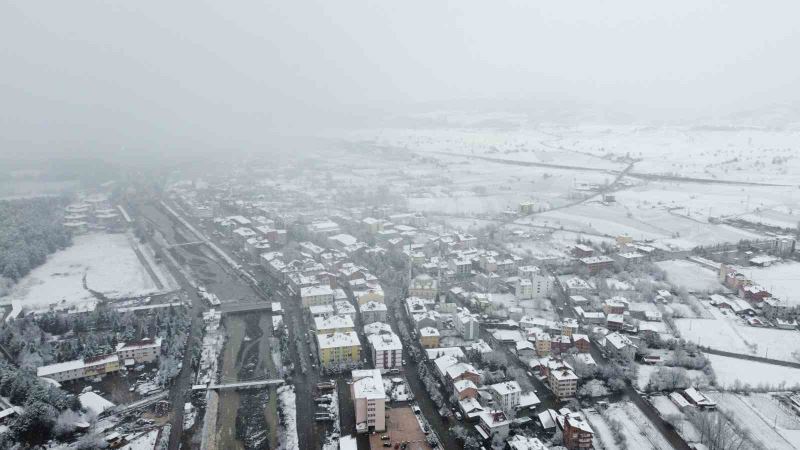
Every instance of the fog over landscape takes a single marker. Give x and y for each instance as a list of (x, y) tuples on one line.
[(411, 225)]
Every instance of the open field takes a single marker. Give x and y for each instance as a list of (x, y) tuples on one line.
[(780, 279), (728, 333), (603, 434), (728, 370), (104, 263), (641, 222), (692, 276), (767, 421)]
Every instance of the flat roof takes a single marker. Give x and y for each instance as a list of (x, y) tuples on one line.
[(333, 340), (368, 384)]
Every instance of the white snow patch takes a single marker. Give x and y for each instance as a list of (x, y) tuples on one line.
[(288, 439)]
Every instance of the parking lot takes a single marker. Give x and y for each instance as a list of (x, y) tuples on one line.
[(401, 426)]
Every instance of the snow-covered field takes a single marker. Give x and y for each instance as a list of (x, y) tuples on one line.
[(767, 421), (728, 333), (669, 411), (639, 432), (781, 280), (106, 263), (728, 370), (603, 436), (739, 154), (692, 276), (642, 222)]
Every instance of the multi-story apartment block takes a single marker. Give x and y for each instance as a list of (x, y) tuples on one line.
[(387, 350), (316, 295), (338, 348), (506, 395), (369, 400)]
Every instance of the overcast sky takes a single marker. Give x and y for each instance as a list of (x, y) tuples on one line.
[(102, 74)]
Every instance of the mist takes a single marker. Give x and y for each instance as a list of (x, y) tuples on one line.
[(112, 78)]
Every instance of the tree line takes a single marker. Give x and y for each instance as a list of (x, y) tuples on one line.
[(44, 407), (29, 340), (30, 229)]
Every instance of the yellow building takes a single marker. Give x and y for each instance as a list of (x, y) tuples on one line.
[(80, 368), (338, 348), (429, 337), (624, 239), (542, 343)]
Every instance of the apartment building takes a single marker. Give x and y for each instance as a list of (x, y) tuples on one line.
[(338, 348), (369, 400), (316, 295), (143, 351), (80, 368), (387, 350), (506, 395)]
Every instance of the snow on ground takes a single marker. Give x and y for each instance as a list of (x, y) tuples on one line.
[(145, 441), (108, 264), (603, 436), (161, 271), (780, 279), (113, 269), (680, 310), (728, 370), (668, 410), (639, 432), (642, 222), (94, 402), (766, 419), (692, 276), (729, 333), (288, 409), (780, 216), (699, 379)]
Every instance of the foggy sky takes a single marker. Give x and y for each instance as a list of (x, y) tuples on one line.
[(103, 75)]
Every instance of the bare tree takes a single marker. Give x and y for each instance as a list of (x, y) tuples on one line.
[(718, 432)]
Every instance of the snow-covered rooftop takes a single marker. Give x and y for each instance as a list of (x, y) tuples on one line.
[(368, 384)]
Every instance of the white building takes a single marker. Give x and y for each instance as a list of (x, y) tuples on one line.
[(373, 312), (506, 395), (541, 283), (563, 382), (467, 325), (369, 400), (316, 295), (144, 351), (523, 289), (387, 350)]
